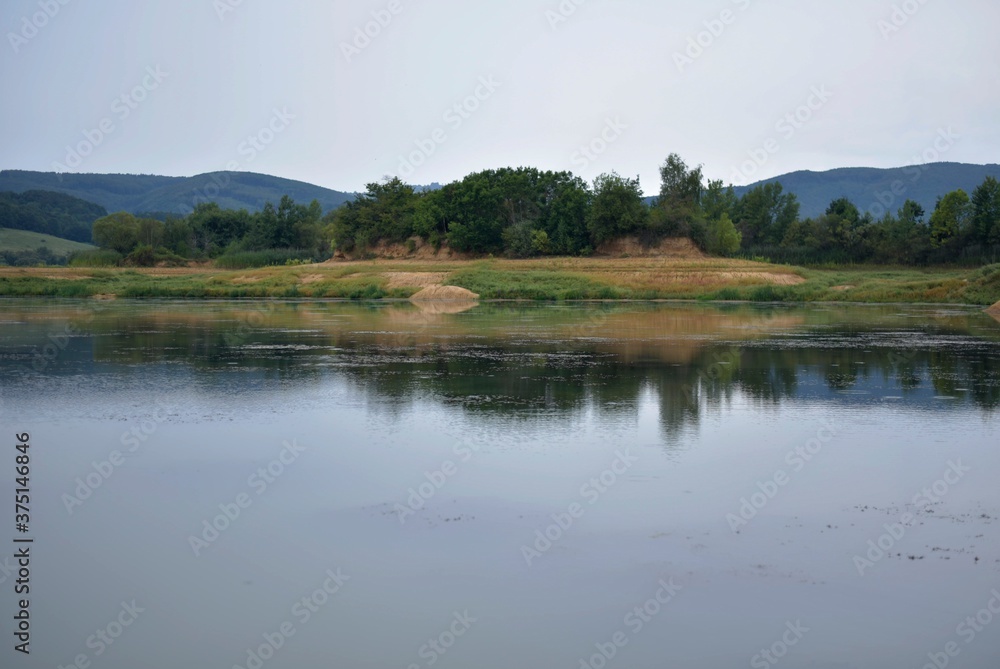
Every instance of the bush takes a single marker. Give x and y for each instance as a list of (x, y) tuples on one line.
[(167, 258), (98, 258), (28, 258), (268, 258), (767, 294), (142, 256)]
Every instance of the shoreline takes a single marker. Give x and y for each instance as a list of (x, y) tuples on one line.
[(650, 279)]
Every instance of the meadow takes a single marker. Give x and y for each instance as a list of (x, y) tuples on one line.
[(549, 279)]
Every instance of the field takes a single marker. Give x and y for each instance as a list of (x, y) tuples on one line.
[(543, 279), (22, 240)]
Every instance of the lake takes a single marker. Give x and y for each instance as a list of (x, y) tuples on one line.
[(387, 486)]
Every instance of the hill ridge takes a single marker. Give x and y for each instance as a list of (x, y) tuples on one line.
[(138, 193), (878, 189)]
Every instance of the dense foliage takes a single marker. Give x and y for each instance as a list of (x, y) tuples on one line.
[(237, 238), (525, 212), (49, 213)]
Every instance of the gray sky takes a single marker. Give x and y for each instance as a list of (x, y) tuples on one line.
[(535, 80)]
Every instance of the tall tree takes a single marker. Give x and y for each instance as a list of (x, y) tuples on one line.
[(765, 213), (986, 211), (118, 232), (719, 199), (951, 219), (722, 237), (617, 208), (680, 192)]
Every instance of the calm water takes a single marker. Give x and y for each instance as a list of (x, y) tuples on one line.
[(389, 487)]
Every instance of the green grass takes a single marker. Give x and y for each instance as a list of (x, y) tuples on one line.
[(254, 259), (95, 258), (23, 240), (492, 284), (510, 280)]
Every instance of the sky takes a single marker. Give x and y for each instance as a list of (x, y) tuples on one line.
[(341, 94)]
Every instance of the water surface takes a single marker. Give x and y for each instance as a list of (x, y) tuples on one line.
[(742, 456)]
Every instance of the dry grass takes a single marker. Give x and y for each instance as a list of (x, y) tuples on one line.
[(536, 279), (455, 293), (415, 279)]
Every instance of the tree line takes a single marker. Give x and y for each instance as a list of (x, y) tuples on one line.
[(525, 212), (273, 235)]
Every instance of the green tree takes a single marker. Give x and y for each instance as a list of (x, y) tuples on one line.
[(719, 199), (178, 236), (722, 237), (680, 186), (287, 226), (520, 240), (986, 211), (214, 228), (617, 208), (951, 219), (149, 232), (386, 211), (680, 198), (118, 232), (765, 213)]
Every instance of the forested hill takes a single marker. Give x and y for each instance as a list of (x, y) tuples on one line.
[(50, 213), (868, 187), (138, 193)]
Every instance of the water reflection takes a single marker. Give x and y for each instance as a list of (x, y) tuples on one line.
[(517, 360)]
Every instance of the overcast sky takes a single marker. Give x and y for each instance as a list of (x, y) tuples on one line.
[(535, 82)]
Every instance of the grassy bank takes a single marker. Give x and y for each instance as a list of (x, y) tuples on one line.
[(549, 279)]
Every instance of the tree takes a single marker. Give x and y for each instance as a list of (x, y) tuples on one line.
[(289, 226), (680, 197), (149, 232), (986, 211), (214, 228), (118, 232), (951, 219), (718, 200), (617, 208), (680, 187), (178, 236), (563, 218), (765, 213), (722, 237)]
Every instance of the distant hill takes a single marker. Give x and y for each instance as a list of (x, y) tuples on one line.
[(23, 240), (137, 193), (49, 213), (868, 187)]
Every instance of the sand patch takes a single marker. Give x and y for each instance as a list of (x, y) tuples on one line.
[(994, 311), (311, 278), (453, 293), (712, 279), (767, 277), (664, 248), (241, 280), (414, 249), (414, 279)]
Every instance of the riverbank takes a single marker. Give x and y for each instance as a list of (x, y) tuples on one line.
[(543, 279)]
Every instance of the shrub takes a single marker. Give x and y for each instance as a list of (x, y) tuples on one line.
[(268, 258), (97, 258), (142, 256)]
